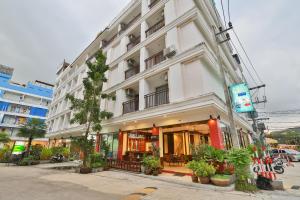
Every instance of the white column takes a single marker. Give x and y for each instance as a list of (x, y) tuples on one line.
[(143, 56), (120, 98), (122, 67), (175, 81), (145, 7), (170, 11), (161, 143), (144, 27), (143, 90), (109, 55), (124, 42), (172, 39)]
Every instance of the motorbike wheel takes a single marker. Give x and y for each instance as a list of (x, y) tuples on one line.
[(279, 169)]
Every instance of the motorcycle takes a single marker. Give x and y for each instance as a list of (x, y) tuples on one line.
[(277, 165), (57, 158)]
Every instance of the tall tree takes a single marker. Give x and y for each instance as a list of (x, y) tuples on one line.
[(87, 110), (4, 138), (34, 128)]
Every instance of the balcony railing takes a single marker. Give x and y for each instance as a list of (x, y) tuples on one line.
[(110, 40), (131, 72), (157, 98), (153, 3), (133, 20), (131, 106), (154, 60), (133, 43), (155, 27)]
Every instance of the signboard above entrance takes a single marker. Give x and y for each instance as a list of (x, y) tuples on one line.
[(241, 98)]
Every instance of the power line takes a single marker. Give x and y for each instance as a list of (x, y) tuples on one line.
[(223, 14), (243, 62), (228, 6), (239, 41)]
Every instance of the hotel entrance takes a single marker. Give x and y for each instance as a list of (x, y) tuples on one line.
[(177, 143)]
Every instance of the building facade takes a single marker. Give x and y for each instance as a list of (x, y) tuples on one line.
[(164, 72), (20, 102)]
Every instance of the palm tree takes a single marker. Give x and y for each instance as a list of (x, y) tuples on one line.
[(4, 138), (34, 128)]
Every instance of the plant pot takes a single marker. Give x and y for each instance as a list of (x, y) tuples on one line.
[(204, 180), (155, 172), (148, 171), (85, 170), (195, 178), (221, 182)]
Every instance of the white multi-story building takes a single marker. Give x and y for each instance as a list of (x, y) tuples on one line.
[(164, 72), (22, 102)]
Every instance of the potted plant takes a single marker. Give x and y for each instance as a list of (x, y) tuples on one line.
[(155, 166), (193, 166), (204, 171), (222, 180)]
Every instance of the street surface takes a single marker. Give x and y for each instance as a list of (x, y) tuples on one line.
[(37, 183)]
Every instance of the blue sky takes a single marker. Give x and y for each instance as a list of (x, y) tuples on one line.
[(36, 36)]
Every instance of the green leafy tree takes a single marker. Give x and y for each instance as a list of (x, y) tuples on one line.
[(4, 138), (87, 110), (34, 128)]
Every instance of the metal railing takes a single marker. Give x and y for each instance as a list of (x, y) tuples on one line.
[(155, 27), (131, 106), (125, 165), (131, 72), (154, 60), (133, 43), (157, 98)]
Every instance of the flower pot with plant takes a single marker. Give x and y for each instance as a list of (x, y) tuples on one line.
[(204, 171), (222, 180), (193, 166)]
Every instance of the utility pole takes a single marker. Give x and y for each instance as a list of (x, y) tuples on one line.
[(234, 134)]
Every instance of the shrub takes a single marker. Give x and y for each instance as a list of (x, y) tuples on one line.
[(204, 169), (57, 150), (66, 152), (29, 160), (36, 151), (192, 165), (96, 160), (46, 154), (5, 154), (151, 162)]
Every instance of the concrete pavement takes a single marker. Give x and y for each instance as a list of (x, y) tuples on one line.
[(34, 183)]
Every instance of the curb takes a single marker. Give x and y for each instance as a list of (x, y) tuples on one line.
[(193, 185)]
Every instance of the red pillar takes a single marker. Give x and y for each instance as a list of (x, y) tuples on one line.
[(120, 146), (97, 146), (216, 137)]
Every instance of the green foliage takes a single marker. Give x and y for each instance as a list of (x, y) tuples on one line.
[(105, 147), (96, 160), (241, 159), (207, 153), (5, 154), (290, 136), (34, 128), (36, 151), (4, 138), (222, 176), (193, 165), (29, 160), (46, 154), (204, 169), (151, 162), (87, 110)]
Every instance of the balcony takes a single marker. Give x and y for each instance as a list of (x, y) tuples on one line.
[(155, 59), (131, 105), (131, 72), (133, 43), (155, 27), (106, 43), (157, 98), (153, 3)]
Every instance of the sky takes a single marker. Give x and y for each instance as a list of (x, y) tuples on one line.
[(37, 35)]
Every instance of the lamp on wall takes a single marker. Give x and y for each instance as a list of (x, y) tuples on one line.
[(155, 130)]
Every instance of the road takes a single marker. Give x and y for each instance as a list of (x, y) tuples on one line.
[(34, 183)]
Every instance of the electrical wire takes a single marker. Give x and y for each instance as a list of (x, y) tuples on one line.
[(250, 62), (228, 7), (224, 18), (243, 62)]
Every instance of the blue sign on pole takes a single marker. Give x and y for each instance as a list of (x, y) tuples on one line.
[(241, 98)]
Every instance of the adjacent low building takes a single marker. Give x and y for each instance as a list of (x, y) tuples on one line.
[(164, 72), (21, 102)]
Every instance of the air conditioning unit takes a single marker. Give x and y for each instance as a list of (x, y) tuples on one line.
[(132, 37), (169, 52), (130, 92), (131, 62)]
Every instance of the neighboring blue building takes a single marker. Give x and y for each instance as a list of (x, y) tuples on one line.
[(21, 102)]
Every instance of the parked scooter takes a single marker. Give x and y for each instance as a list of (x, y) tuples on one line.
[(277, 166), (57, 158)]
